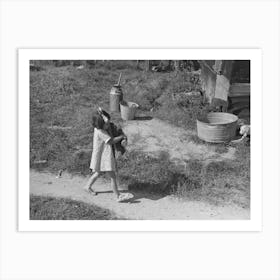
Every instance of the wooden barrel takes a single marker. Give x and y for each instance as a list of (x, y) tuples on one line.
[(217, 127)]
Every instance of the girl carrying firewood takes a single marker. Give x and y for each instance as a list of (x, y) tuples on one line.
[(103, 154)]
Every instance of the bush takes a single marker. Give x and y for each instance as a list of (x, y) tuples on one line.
[(145, 89), (181, 111)]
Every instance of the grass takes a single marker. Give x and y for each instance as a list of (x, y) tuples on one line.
[(218, 147), (181, 109), (50, 208), (66, 96), (219, 183), (142, 172)]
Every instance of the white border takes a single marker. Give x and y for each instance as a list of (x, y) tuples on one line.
[(254, 224)]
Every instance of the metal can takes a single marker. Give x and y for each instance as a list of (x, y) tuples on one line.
[(116, 96)]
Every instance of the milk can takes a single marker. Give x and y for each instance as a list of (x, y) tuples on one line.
[(116, 96)]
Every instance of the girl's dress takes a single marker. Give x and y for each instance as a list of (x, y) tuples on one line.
[(102, 158)]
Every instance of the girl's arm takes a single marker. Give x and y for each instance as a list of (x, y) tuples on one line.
[(116, 139)]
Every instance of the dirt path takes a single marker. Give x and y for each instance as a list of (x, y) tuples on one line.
[(151, 136), (143, 207)]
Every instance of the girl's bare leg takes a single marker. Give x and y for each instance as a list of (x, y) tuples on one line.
[(91, 180), (114, 183)]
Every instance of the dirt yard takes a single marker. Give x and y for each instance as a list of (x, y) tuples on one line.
[(154, 136)]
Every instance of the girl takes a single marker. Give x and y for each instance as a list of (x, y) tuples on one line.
[(103, 159)]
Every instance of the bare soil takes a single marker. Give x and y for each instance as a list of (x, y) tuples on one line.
[(155, 136)]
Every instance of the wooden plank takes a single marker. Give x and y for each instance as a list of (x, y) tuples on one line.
[(239, 89), (222, 87)]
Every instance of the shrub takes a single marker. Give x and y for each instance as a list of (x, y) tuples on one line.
[(182, 111)]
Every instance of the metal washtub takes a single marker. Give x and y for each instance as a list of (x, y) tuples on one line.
[(217, 127)]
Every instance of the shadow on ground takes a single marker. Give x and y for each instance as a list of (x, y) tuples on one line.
[(137, 196), (143, 118), (146, 191)]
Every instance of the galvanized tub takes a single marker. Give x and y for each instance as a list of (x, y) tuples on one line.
[(217, 127)]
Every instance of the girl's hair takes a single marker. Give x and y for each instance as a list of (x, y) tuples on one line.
[(97, 121)]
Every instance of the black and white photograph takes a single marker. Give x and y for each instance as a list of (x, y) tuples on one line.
[(139, 139)]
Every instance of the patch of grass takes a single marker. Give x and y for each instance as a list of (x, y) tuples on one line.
[(181, 103), (224, 182), (219, 182), (142, 172), (65, 96), (183, 112), (50, 208), (145, 88)]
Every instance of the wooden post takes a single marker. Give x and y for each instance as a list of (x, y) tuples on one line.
[(148, 65), (223, 69), (208, 78)]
